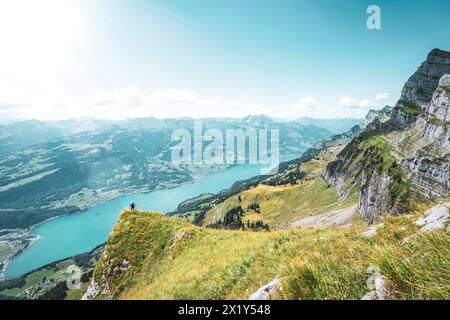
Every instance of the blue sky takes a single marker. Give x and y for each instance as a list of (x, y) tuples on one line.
[(169, 58)]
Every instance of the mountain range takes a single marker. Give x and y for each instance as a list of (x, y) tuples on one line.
[(55, 168)]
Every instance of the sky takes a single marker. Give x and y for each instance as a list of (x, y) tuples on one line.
[(121, 59)]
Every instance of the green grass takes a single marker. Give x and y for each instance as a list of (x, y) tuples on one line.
[(32, 280), (376, 152), (280, 205), (171, 259), (410, 108), (418, 270), (285, 204)]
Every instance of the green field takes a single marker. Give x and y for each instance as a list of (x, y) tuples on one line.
[(40, 276)]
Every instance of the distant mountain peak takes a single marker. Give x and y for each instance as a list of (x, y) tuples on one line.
[(258, 119)]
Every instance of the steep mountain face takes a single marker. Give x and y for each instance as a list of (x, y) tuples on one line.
[(402, 158), (78, 171)]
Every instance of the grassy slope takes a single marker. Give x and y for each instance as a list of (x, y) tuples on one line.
[(172, 259), (283, 204)]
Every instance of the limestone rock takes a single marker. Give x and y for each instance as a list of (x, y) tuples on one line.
[(435, 218), (439, 105), (92, 290), (421, 85), (372, 230), (379, 292), (374, 198), (267, 291)]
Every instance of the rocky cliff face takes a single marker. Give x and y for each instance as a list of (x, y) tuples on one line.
[(438, 106), (421, 85), (403, 156), (429, 166)]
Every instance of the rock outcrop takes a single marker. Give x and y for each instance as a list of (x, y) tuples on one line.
[(381, 115), (435, 218), (267, 291), (379, 291), (438, 106), (92, 290)]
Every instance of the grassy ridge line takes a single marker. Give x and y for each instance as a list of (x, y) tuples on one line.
[(149, 256)]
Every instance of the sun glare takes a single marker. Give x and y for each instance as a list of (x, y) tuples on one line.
[(37, 38)]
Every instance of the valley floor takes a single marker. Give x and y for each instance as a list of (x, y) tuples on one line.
[(12, 242)]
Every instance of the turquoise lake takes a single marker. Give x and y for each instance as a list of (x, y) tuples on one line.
[(73, 234)]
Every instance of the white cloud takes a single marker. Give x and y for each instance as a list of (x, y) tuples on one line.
[(132, 102), (349, 102), (359, 107), (306, 103), (307, 106), (382, 96)]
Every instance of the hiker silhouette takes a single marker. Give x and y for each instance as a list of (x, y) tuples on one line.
[(132, 207)]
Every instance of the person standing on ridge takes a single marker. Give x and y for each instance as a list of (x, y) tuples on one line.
[(132, 206)]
